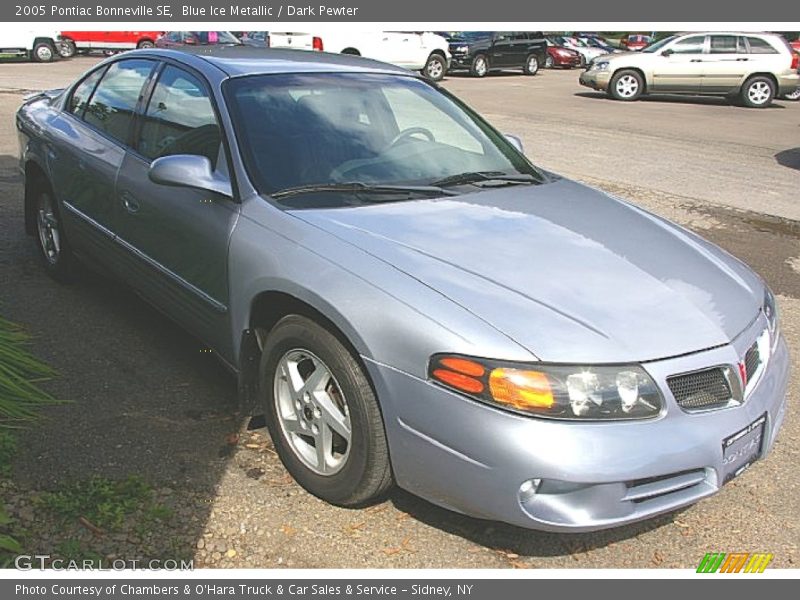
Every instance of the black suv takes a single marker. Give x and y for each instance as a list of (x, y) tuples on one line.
[(482, 51)]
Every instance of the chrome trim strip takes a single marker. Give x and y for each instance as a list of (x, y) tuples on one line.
[(216, 305)]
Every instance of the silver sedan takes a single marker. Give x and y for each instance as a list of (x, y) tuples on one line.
[(404, 296)]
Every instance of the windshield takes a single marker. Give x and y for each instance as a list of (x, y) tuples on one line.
[(328, 129), (656, 46), (469, 36)]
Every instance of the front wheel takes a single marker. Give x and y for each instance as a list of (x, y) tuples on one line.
[(531, 65), (43, 52), (758, 92), (435, 68), (480, 66), (626, 85), (53, 247), (145, 44), (322, 414), (548, 62)]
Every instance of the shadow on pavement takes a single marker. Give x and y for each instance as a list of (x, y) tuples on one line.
[(789, 158)]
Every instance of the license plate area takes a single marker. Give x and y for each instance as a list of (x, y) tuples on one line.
[(742, 449)]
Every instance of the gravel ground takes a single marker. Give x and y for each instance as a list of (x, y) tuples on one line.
[(145, 399)]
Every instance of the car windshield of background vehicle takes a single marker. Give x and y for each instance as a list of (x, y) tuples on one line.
[(656, 46), (299, 130)]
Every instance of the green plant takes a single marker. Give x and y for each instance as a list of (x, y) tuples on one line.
[(73, 550), (103, 502), (20, 371)]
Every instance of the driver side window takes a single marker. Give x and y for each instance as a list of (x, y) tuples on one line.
[(690, 45), (180, 119)]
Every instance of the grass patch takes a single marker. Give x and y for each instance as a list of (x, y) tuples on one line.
[(20, 372), (9, 546), (73, 550), (103, 502)]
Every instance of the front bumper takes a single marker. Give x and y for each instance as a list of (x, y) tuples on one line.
[(474, 459), (566, 61), (597, 80)]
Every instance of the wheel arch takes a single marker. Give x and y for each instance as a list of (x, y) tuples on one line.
[(766, 74), (35, 178), (647, 82)]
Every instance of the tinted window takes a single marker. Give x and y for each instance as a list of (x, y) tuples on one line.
[(111, 107), (723, 44), (80, 97), (690, 45), (759, 46), (304, 129), (179, 119)]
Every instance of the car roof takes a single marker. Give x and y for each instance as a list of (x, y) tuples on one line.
[(238, 61)]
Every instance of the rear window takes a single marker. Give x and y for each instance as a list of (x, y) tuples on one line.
[(760, 46)]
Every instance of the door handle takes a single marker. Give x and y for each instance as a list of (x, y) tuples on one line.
[(129, 202), (696, 60), (742, 59)]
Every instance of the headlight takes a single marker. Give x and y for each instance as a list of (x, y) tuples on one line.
[(552, 391), (770, 309), (463, 49), (599, 66)]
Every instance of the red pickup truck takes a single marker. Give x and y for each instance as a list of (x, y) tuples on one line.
[(75, 41)]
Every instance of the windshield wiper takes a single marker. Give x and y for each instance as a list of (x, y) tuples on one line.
[(481, 176), (358, 187)]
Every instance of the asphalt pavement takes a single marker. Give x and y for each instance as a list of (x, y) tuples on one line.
[(144, 398)]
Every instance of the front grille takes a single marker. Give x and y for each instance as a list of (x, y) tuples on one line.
[(701, 389), (752, 360)]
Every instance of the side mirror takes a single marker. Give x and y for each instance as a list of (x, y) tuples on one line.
[(516, 142), (191, 171), (667, 52)]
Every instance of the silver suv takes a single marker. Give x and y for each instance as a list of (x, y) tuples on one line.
[(754, 67)]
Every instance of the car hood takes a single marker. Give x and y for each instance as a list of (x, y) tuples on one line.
[(566, 271)]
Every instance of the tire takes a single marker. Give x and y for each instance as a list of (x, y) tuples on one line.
[(146, 44), (351, 52), (435, 68), (626, 85), (531, 65), (582, 64), (350, 473), (548, 62), (758, 92), (67, 49), (793, 96), (43, 52), (479, 66), (57, 257)]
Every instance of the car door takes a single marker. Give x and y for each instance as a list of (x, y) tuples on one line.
[(501, 52), (680, 66), (88, 151), (520, 44), (726, 64), (178, 237)]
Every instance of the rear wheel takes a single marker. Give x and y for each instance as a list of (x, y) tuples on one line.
[(794, 96), (626, 85), (758, 92), (435, 68), (480, 66), (146, 44), (531, 65), (67, 49), (43, 52), (322, 414)]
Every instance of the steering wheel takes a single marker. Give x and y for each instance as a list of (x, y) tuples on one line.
[(408, 132)]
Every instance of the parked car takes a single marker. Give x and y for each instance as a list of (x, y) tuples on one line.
[(753, 67), (38, 45), (480, 52), (83, 41), (600, 44), (356, 245), (414, 50), (588, 53), (257, 39), (635, 42), (559, 56), (180, 39)]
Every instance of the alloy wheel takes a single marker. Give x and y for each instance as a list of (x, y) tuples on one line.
[(312, 411), (759, 92), (627, 86)]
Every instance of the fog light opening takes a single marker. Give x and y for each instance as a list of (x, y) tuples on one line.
[(528, 489)]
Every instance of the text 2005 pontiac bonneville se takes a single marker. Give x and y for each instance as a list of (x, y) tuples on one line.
[(403, 294)]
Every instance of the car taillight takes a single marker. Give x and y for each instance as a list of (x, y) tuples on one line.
[(795, 60), (316, 43)]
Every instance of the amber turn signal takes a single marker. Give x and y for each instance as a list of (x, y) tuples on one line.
[(520, 389)]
